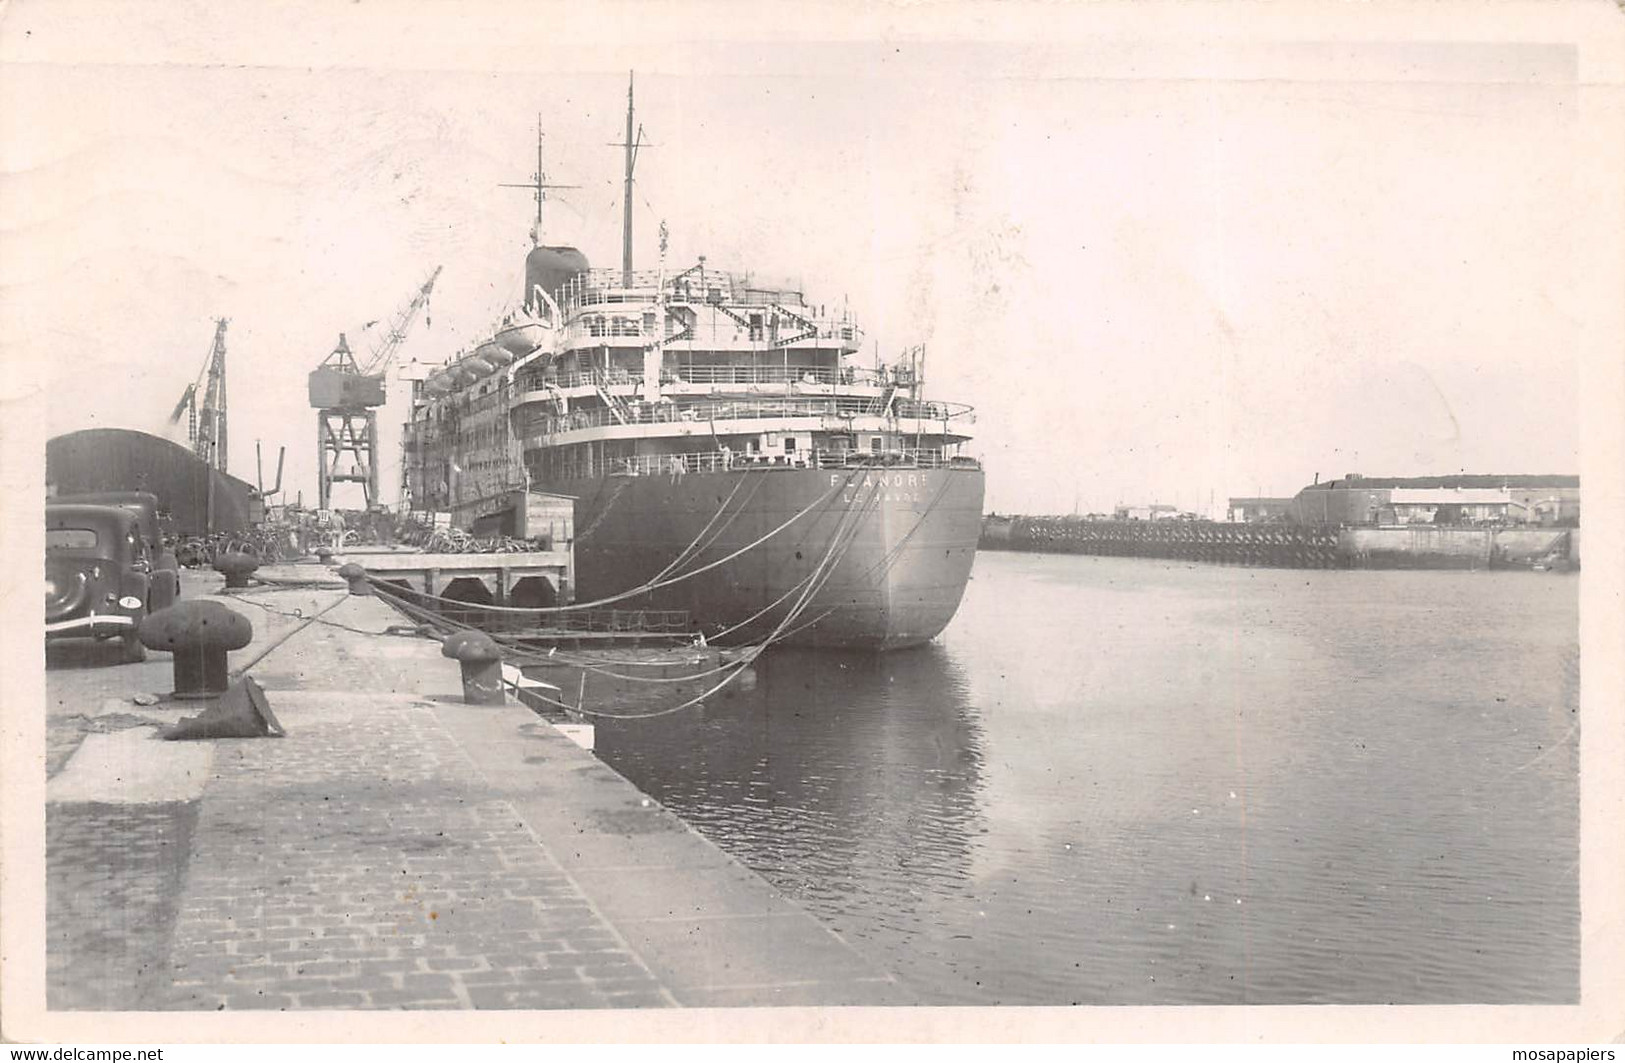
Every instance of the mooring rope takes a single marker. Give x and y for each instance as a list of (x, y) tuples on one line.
[(267, 651), (741, 666), (693, 543), (644, 588), (840, 542)]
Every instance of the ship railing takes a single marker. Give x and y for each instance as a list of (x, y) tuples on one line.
[(697, 280), (630, 324), (676, 464), (597, 287), (700, 374), (776, 374), (921, 410), (716, 374), (764, 409), (605, 287), (608, 325), (613, 377), (764, 297)]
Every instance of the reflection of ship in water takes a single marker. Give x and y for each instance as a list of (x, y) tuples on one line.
[(852, 781)]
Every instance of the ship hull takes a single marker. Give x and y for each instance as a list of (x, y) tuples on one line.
[(867, 557)]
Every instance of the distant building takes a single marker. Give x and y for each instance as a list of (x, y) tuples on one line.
[(1259, 510), (1155, 511), (1424, 505), (1544, 505), (1465, 499)]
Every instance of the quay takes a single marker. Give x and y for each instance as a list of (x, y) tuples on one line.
[(529, 579), (459, 587), (1288, 545), (397, 849)]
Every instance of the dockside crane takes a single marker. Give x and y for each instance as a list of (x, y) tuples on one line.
[(394, 334), (188, 406), (346, 395), (206, 433)]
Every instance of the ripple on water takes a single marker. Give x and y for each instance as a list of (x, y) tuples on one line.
[(1122, 782)]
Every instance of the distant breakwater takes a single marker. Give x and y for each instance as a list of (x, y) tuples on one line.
[(1289, 545)]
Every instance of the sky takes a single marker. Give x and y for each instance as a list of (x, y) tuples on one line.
[(1163, 265)]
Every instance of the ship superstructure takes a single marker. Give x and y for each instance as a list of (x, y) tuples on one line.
[(725, 454)]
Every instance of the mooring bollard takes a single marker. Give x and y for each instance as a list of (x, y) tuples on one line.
[(198, 632), (481, 661), (357, 577), (324, 554), (236, 567)]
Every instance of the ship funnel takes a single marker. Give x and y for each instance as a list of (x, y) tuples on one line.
[(550, 268)]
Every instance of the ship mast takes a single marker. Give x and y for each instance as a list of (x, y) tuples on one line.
[(631, 144), (541, 187), (538, 184)]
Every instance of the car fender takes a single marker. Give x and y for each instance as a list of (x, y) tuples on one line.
[(74, 601), (134, 585)]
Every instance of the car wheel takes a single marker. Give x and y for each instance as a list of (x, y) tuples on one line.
[(131, 651)]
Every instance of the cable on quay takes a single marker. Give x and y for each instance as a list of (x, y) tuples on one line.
[(267, 651), (299, 614), (299, 584)]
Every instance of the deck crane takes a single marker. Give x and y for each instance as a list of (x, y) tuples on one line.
[(206, 434), (346, 396)]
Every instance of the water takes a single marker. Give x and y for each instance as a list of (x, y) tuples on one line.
[(1116, 781)]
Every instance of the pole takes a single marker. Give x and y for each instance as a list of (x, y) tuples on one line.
[(371, 483), (537, 236), (919, 379), (222, 451), (626, 206), (321, 459)]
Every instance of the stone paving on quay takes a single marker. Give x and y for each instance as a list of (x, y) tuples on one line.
[(370, 874), (396, 850)]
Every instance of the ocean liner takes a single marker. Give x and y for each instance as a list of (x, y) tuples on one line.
[(724, 454)]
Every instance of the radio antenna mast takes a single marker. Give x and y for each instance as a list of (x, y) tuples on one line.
[(539, 185)]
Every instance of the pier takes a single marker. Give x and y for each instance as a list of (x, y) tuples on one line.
[(1289, 545), (1272, 545), (396, 849), (534, 578)]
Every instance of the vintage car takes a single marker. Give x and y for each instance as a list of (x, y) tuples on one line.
[(97, 575), (166, 581)]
